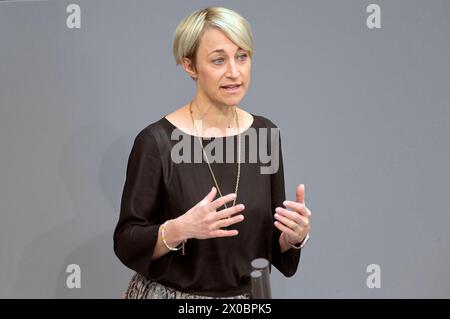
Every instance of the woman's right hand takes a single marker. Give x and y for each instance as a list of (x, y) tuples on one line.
[(204, 221)]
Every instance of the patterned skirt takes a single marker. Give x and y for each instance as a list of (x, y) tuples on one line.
[(142, 288)]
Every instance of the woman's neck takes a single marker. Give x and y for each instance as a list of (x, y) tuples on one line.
[(213, 115)]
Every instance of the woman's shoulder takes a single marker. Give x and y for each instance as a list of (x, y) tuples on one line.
[(263, 121), (156, 127), (149, 135)]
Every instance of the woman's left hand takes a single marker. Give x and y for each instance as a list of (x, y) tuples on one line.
[(294, 224)]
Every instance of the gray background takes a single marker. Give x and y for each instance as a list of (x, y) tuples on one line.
[(364, 116)]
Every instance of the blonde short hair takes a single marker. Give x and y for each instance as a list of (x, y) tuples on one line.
[(188, 33)]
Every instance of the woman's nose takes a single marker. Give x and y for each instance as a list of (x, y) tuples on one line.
[(232, 71)]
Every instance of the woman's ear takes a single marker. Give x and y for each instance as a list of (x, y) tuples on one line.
[(190, 68)]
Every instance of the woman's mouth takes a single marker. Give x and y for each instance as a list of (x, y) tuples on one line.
[(232, 88)]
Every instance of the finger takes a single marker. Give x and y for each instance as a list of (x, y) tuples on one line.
[(298, 207), (227, 212), (297, 218), (286, 221), (224, 233), (300, 194), (294, 216), (228, 221), (209, 197), (285, 229), (222, 201)]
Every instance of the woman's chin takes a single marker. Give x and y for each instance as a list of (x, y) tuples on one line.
[(232, 100)]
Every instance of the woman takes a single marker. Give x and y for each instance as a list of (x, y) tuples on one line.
[(190, 229)]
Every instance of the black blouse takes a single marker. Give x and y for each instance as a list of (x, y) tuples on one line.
[(158, 188)]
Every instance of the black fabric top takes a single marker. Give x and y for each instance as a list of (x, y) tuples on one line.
[(158, 188)]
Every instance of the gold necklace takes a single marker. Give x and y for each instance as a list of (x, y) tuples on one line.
[(207, 160)]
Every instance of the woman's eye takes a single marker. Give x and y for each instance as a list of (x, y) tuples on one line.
[(243, 57)]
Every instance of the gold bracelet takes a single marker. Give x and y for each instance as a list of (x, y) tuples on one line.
[(165, 242)]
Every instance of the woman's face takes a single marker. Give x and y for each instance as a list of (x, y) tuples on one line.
[(221, 63)]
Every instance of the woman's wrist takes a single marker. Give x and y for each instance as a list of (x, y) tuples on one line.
[(177, 230), (297, 245)]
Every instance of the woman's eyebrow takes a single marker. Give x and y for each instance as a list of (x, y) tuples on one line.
[(222, 50)]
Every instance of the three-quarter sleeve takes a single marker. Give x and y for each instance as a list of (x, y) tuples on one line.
[(136, 233), (288, 261)]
